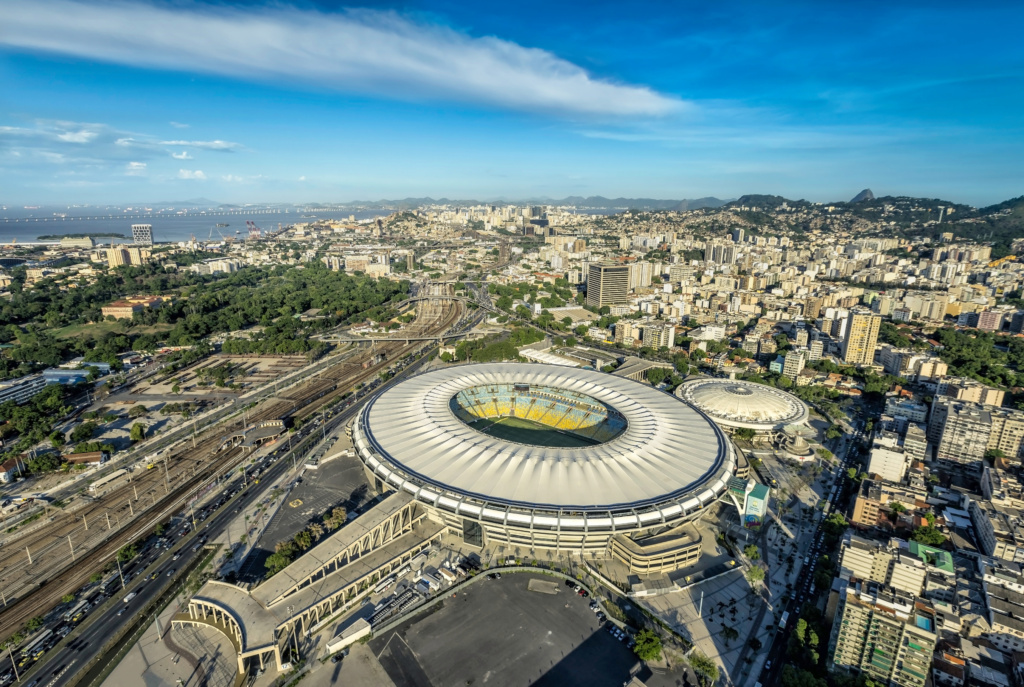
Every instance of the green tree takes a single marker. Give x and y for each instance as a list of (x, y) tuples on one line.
[(648, 646), (138, 432), (176, 389), (34, 624), (755, 575), (67, 598), (126, 553), (729, 634), (929, 536), (138, 410), (706, 669), (752, 552), (745, 433), (83, 432)]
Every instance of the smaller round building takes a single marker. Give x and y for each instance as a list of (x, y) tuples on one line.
[(735, 404)]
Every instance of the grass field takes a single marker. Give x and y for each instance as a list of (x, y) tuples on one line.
[(529, 432), (96, 330)]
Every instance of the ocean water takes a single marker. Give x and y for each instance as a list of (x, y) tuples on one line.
[(167, 227)]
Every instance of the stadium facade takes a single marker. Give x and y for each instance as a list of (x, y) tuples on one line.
[(536, 456)]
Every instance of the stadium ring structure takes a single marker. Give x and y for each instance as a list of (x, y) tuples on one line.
[(735, 404), (643, 463)]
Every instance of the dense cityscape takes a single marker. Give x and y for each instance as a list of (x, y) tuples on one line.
[(432, 343), (842, 407)]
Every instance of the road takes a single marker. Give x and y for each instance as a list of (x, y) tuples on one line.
[(772, 672)]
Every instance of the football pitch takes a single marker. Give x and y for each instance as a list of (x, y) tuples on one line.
[(529, 432)]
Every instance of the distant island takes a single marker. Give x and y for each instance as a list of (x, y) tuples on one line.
[(91, 235)]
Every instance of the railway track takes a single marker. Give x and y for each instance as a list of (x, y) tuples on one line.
[(62, 556)]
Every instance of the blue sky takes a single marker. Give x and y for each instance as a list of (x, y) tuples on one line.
[(124, 101)]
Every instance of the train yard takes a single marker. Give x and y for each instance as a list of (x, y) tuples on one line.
[(41, 564)]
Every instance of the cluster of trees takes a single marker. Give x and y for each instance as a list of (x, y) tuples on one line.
[(495, 348), (201, 306), (32, 421), (286, 551), (990, 358)]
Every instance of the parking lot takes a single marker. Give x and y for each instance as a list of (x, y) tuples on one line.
[(340, 481), (500, 633)]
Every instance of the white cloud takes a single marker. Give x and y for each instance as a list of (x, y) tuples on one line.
[(231, 177), (135, 169), (191, 174), (361, 50), (302, 178), (183, 155), (81, 136), (179, 125), (224, 146)]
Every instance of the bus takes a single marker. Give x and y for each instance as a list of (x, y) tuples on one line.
[(77, 610), (33, 647), (384, 585), (104, 482)]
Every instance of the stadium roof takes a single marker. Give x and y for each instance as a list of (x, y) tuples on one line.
[(667, 449), (736, 403)]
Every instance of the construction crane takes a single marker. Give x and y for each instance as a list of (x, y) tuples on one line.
[(254, 231)]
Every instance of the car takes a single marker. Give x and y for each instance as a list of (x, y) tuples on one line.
[(121, 612), (154, 575), (601, 616), (336, 658), (171, 572), (767, 665), (175, 556), (584, 593)]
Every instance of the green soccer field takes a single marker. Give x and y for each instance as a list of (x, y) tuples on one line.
[(529, 432)]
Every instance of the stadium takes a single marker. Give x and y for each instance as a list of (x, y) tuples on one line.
[(541, 456), (736, 404)]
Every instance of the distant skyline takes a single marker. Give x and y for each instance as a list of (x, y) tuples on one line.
[(253, 102)]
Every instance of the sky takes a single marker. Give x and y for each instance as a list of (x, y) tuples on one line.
[(126, 101)]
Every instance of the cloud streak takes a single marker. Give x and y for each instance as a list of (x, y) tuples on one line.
[(364, 51)]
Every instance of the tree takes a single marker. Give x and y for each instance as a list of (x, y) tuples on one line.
[(706, 669), (138, 410), (126, 553), (755, 575), (176, 389), (67, 598), (929, 536), (729, 634), (993, 453), (34, 623), (754, 643), (745, 433), (83, 432), (138, 432), (657, 375), (648, 646), (898, 508), (752, 552)]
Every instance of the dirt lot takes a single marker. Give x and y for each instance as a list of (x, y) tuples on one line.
[(238, 373)]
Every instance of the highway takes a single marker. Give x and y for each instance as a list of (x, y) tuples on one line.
[(83, 646), (771, 674)]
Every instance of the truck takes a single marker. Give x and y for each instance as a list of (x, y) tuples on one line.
[(130, 596), (782, 623)]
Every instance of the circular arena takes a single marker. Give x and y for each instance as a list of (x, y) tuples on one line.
[(736, 404), (542, 456)]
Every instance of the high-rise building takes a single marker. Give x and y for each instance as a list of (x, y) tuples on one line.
[(886, 633), (142, 234), (737, 235), (607, 284), (117, 257), (640, 274), (658, 335), (861, 337), (959, 431), (793, 364), (816, 349), (812, 308)]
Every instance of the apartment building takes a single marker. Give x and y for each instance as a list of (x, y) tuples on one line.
[(876, 497), (861, 337), (959, 431), (884, 632)]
